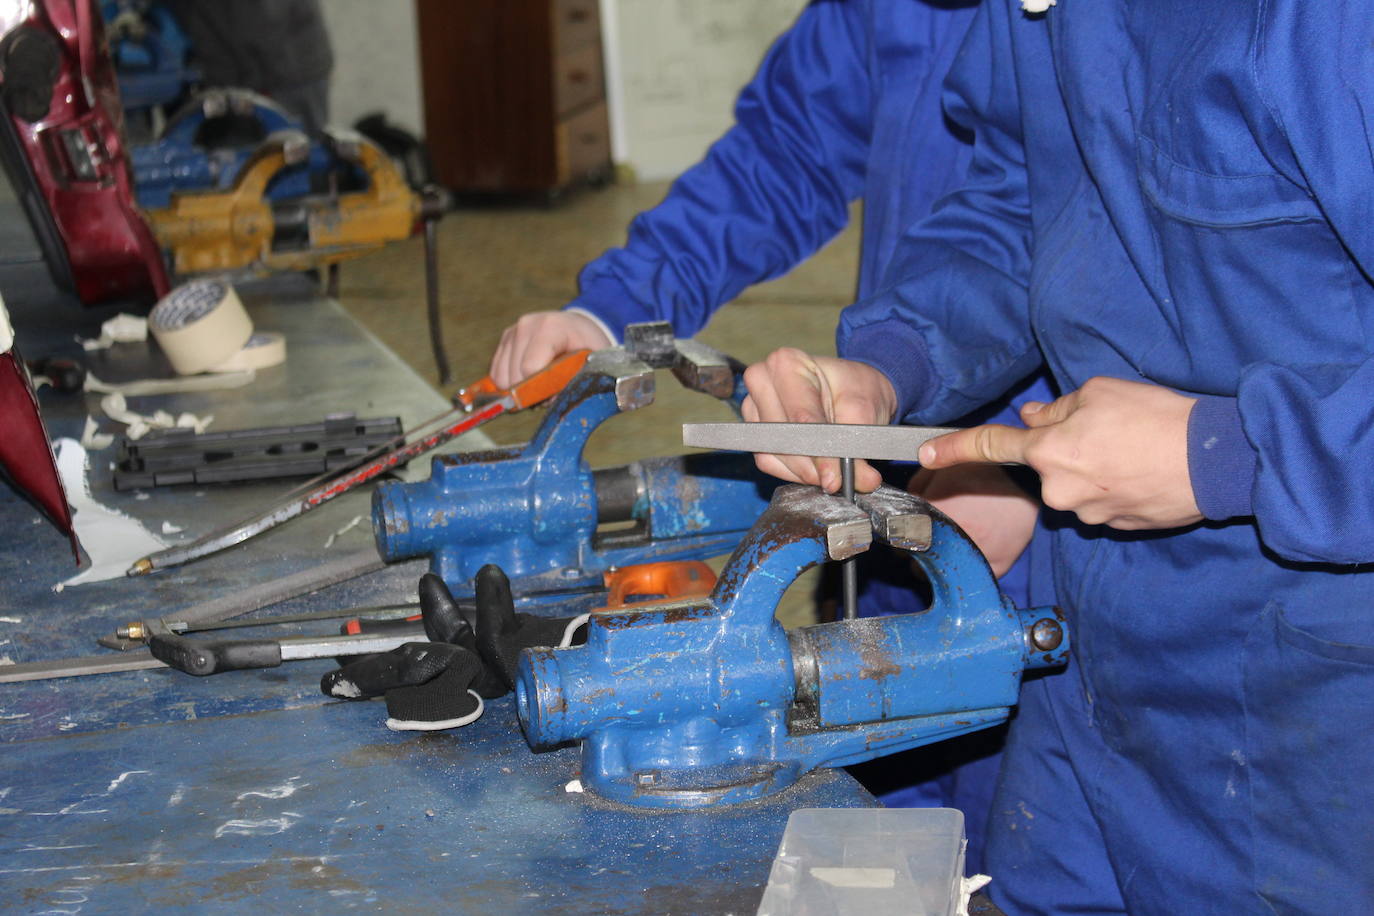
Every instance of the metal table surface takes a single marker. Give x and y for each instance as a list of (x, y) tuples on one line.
[(153, 789)]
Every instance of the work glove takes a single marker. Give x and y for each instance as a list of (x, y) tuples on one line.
[(428, 686), (502, 633), (441, 684)]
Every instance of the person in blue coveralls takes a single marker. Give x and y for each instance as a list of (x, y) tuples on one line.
[(1172, 204), (845, 105)]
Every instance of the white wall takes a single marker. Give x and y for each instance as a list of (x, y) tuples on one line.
[(674, 68), (376, 61)]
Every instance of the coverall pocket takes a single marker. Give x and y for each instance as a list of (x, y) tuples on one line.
[(1203, 199), (1309, 735), (1215, 236)]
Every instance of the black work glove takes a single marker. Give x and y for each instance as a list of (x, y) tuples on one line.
[(502, 633), (427, 686)]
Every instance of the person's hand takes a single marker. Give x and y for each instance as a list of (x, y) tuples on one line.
[(983, 500), (1113, 452), (539, 338), (790, 386)]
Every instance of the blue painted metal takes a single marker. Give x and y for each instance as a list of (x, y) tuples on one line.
[(150, 53), (533, 510), (178, 161), (707, 702), (124, 793)]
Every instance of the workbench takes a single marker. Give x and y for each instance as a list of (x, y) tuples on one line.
[(153, 789)]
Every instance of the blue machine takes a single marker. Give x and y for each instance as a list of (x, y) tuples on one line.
[(707, 702), (149, 51), (552, 523), (186, 158)]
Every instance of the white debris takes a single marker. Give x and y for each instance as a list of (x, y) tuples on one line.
[(574, 785), (92, 439), (356, 521), (117, 409), (112, 540), (121, 328), (169, 528)]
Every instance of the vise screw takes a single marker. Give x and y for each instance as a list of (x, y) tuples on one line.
[(552, 523), (707, 702)]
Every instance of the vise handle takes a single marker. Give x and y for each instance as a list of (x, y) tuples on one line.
[(667, 580), (536, 389)]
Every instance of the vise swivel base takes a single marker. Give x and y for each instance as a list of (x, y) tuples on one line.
[(547, 519), (709, 701)]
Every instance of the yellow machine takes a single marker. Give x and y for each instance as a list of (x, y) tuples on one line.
[(241, 228)]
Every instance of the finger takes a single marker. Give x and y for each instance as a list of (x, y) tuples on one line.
[(866, 477), (538, 355), (782, 391), (498, 357), (1036, 414), (510, 370), (773, 466), (990, 443)]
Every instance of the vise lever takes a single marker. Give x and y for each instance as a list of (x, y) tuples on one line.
[(705, 702), (552, 523)]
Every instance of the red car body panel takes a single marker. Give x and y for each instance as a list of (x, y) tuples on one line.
[(69, 165)]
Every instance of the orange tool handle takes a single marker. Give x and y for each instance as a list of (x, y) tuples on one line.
[(653, 582), (539, 387)]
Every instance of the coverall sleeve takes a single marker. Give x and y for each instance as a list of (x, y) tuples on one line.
[(949, 323), (1306, 432), (769, 193)]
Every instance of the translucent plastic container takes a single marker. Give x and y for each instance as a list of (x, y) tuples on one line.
[(868, 862)]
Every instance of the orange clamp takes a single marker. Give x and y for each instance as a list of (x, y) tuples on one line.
[(536, 389)]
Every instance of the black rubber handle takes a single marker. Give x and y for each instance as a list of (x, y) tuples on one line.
[(202, 657)]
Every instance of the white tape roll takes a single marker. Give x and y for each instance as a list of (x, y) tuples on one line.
[(200, 325), (264, 349)]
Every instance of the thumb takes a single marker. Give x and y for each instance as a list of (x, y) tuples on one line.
[(1035, 414), (988, 444)]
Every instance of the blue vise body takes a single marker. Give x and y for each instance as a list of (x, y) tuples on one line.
[(710, 701), (552, 523)]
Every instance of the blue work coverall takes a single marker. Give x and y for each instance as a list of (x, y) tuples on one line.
[(1178, 192), (845, 105)]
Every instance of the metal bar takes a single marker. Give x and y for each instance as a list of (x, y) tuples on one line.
[(818, 440), (436, 329), (849, 573), (75, 667)]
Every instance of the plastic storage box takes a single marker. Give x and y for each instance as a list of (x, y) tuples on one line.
[(868, 862)]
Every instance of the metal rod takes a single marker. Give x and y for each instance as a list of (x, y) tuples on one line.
[(436, 330), (848, 571)]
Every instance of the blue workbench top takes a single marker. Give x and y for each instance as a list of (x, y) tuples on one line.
[(153, 789)]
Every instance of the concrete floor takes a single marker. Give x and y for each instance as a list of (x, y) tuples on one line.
[(496, 263)]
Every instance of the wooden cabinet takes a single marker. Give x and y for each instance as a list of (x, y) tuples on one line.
[(515, 93)]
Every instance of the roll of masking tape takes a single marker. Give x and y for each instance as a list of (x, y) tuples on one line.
[(264, 349), (200, 325)]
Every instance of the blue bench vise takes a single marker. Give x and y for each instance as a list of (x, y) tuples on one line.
[(187, 156), (710, 701), (551, 522)]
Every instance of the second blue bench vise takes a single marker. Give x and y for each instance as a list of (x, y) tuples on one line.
[(551, 522), (703, 702)]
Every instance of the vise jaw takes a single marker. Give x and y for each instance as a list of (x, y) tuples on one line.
[(706, 702), (545, 517)]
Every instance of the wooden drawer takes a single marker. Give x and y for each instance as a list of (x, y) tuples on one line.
[(576, 24), (578, 80), (584, 143)]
